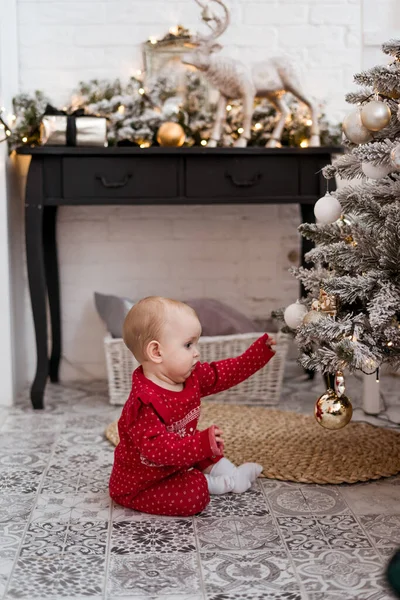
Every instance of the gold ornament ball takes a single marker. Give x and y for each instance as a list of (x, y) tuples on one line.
[(395, 157), (170, 134), (332, 411), (314, 316), (375, 115), (353, 128)]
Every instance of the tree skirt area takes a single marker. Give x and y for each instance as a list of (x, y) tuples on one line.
[(294, 447)]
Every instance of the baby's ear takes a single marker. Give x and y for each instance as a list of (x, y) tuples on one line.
[(153, 351)]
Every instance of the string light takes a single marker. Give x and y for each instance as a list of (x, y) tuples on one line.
[(389, 344), (203, 142), (174, 30), (153, 40), (141, 91), (304, 144), (24, 139), (240, 130), (257, 126), (145, 145), (121, 109), (309, 122), (228, 107)]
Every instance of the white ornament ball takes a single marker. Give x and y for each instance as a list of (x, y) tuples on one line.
[(375, 171), (375, 115), (327, 209), (395, 157), (354, 129), (294, 314)]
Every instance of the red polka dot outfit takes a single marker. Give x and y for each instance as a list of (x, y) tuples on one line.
[(159, 460)]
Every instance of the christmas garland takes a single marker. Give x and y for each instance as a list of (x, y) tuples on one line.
[(135, 111)]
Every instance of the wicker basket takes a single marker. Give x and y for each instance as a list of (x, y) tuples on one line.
[(263, 387)]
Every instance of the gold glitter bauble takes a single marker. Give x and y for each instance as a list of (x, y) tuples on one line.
[(332, 411), (170, 134), (313, 316)]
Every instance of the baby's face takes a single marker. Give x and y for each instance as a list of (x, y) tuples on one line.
[(179, 345)]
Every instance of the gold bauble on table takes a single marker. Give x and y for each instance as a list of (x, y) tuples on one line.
[(375, 115), (333, 411), (170, 134)]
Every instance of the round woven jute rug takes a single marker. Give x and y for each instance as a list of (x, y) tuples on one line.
[(293, 447)]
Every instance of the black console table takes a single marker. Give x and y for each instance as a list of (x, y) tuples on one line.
[(130, 175)]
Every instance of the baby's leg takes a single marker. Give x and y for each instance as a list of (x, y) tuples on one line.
[(181, 495)]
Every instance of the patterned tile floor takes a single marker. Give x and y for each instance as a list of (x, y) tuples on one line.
[(63, 539)]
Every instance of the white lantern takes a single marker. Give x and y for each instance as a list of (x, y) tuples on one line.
[(327, 209), (375, 115), (375, 171), (354, 129), (294, 314)]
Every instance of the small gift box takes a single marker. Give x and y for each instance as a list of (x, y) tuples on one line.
[(58, 128)]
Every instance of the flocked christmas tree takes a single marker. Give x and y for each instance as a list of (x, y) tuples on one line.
[(350, 319)]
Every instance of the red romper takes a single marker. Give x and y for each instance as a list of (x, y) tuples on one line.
[(159, 460)]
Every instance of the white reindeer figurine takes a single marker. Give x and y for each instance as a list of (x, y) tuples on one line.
[(269, 79)]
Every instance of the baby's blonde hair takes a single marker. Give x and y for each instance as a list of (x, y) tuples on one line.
[(145, 321)]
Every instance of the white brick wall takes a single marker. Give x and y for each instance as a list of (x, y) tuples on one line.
[(237, 254)]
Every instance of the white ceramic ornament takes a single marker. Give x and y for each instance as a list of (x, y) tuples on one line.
[(327, 209), (294, 314), (354, 129), (375, 115), (395, 157), (375, 171)]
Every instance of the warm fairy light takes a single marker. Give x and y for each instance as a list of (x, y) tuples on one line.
[(389, 344), (139, 72), (145, 145), (8, 132), (174, 30), (121, 109), (13, 118), (141, 91), (24, 139), (257, 126), (240, 130), (2, 109), (304, 144), (153, 40), (228, 107), (309, 122), (203, 142)]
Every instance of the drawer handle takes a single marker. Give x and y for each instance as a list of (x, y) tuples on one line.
[(114, 184), (245, 182)]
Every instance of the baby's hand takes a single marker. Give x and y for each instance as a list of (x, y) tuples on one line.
[(218, 436), (270, 341)]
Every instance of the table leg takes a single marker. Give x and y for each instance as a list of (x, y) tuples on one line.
[(36, 276), (53, 287)]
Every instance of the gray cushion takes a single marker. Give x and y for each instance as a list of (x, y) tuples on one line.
[(216, 317), (112, 310)]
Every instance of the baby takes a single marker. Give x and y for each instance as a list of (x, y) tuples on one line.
[(163, 464)]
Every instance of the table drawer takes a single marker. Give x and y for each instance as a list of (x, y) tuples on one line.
[(241, 177), (120, 177)]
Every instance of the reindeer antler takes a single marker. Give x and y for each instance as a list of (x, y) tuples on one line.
[(208, 17)]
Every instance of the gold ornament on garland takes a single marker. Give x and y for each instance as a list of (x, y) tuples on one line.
[(333, 411), (327, 304), (171, 134)]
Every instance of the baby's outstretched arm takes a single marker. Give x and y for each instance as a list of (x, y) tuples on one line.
[(223, 374)]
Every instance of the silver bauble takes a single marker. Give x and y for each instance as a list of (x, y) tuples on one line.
[(375, 115), (332, 411), (314, 316), (294, 314), (354, 129), (395, 157), (375, 171)]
